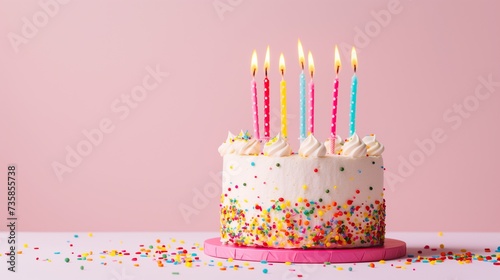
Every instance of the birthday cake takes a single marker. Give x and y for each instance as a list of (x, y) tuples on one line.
[(328, 195), (312, 199)]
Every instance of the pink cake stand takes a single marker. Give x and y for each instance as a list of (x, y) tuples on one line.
[(392, 249)]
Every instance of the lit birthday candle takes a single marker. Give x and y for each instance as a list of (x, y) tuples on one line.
[(283, 97), (354, 92), (302, 100), (266, 97), (310, 62), (333, 132), (254, 97)]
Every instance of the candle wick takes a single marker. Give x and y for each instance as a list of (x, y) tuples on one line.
[(265, 70), (254, 72), (355, 68), (338, 68), (302, 63), (312, 74)]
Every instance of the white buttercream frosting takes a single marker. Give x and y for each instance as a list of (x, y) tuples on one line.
[(240, 140), (311, 147), (339, 143), (267, 200), (243, 144), (354, 147), (251, 147), (227, 147), (277, 147), (374, 148)]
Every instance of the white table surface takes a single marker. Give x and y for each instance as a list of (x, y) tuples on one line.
[(51, 265)]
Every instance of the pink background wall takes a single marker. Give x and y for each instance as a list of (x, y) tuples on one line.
[(74, 69)]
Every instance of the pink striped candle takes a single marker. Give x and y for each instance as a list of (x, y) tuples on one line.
[(310, 62), (333, 133), (255, 106), (334, 115), (266, 98)]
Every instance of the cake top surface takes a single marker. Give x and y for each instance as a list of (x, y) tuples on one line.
[(278, 146)]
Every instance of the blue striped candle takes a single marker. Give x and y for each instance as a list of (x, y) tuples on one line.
[(302, 100), (354, 92), (352, 115), (302, 106)]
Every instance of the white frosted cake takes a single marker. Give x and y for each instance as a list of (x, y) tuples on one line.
[(311, 199)]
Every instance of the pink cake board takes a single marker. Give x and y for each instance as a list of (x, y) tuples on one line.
[(392, 249)]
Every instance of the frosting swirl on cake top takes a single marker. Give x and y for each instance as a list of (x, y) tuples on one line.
[(240, 140), (277, 147), (251, 147), (354, 147), (311, 147), (243, 144), (374, 148)]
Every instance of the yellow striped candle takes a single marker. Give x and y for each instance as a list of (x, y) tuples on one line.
[(284, 133)]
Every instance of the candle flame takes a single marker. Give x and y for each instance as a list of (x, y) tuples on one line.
[(354, 59), (337, 60), (266, 61), (253, 67), (301, 55), (282, 64), (310, 62)]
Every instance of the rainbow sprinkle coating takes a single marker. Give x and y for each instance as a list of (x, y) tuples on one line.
[(362, 226)]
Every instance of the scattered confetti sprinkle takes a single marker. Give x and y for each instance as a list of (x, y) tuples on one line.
[(188, 256)]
